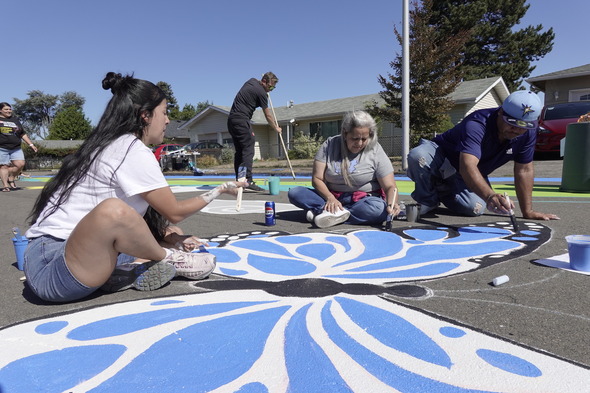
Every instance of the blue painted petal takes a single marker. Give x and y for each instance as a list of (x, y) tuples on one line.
[(286, 267), (199, 358), (232, 272), (395, 332), (51, 327), (321, 252), (340, 240), (294, 239), (509, 363), (390, 373), (304, 358), (254, 387), (433, 269), (58, 371), (224, 255), (378, 244), (134, 322), (165, 302), (426, 234), (467, 234), (452, 332), (262, 245)]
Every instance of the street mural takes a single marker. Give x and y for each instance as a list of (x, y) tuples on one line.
[(306, 312)]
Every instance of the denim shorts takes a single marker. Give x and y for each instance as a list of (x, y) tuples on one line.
[(6, 156), (48, 275)]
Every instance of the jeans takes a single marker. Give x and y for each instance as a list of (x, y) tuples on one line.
[(49, 277), (369, 210), (436, 180)]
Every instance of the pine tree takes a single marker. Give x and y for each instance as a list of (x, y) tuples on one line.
[(494, 48), (69, 123), (434, 74)]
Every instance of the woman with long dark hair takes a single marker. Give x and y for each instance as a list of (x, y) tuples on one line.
[(102, 220)]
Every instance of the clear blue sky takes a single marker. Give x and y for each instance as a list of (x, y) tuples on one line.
[(320, 49)]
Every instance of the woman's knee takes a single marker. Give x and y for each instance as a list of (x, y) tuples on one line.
[(114, 210)]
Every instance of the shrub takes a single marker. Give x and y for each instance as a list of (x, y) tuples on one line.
[(304, 146), (206, 161), (227, 154)]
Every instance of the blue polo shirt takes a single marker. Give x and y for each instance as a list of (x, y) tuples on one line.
[(477, 134)]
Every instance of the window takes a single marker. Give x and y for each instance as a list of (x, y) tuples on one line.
[(325, 129)]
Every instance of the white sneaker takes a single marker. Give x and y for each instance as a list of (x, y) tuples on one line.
[(309, 216), (192, 265), (146, 276), (327, 219)]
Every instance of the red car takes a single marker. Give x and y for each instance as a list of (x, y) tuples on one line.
[(553, 124), (165, 149)]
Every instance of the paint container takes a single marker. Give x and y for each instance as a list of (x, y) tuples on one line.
[(578, 247), (20, 245), (500, 280), (269, 213), (413, 212), (274, 184)]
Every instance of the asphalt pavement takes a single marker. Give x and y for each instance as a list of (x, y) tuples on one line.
[(543, 308)]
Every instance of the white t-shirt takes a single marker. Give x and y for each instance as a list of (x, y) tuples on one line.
[(125, 169), (365, 168)]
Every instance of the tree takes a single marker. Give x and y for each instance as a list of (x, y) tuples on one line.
[(434, 74), (495, 48), (172, 104), (188, 112), (69, 123), (38, 110)]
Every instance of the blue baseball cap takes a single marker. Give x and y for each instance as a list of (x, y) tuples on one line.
[(522, 109)]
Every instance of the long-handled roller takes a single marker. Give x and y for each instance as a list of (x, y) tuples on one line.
[(281, 136)]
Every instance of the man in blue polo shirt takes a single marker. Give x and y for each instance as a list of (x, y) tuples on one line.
[(453, 168)]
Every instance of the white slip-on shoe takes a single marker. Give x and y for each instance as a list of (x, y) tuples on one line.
[(327, 219), (309, 216)]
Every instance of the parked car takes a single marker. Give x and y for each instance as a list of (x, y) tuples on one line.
[(553, 124), (205, 148), (165, 149)]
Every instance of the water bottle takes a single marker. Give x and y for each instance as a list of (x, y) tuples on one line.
[(402, 212)]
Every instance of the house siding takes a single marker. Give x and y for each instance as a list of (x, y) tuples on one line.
[(566, 89), (212, 127)]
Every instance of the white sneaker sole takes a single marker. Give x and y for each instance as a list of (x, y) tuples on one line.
[(329, 220)]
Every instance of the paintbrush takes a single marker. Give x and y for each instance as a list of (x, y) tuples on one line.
[(241, 177), (512, 218), (390, 216)]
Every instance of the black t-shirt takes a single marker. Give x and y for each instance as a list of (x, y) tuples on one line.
[(11, 132), (251, 96)]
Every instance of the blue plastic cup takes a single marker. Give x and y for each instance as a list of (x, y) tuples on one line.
[(274, 185), (20, 245), (578, 247)]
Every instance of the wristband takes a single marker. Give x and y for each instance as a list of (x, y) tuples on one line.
[(30, 144)]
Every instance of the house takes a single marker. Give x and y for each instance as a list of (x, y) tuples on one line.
[(572, 84), (175, 135), (324, 118)]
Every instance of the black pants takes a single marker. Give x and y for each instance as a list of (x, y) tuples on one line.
[(243, 139)]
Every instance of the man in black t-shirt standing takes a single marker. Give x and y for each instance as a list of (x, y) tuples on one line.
[(252, 95)]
